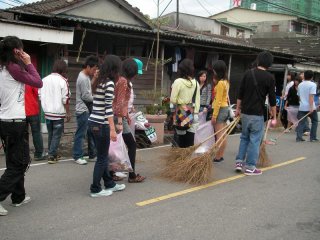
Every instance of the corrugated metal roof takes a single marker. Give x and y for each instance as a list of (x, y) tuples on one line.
[(182, 35), (104, 23), (307, 46), (45, 6)]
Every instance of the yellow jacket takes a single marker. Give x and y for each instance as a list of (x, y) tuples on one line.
[(221, 97), (182, 92)]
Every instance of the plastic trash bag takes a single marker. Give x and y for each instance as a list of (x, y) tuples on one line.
[(202, 118), (132, 124), (118, 156), (203, 132)]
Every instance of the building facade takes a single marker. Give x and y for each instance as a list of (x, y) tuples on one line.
[(304, 8)]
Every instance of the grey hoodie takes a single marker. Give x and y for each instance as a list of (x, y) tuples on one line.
[(83, 93)]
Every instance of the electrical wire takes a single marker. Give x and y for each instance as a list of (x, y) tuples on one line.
[(8, 4), (204, 8), (165, 8)]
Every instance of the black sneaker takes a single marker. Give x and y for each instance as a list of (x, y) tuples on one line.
[(52, 160), (218, 160), (300, 140), (314, 140)]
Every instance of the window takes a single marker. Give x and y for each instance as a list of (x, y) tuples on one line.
[(224, 31), (275, 28), (240, 33)]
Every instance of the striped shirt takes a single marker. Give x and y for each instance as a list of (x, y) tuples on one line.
[(102, 103)]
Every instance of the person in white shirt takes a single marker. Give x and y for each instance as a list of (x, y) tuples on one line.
[(55, 97), (306, 91)]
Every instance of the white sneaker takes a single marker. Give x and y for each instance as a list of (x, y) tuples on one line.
[(26, 200), (121, 174), (117, 187), (102, 193), (3, 212), (81, 161)]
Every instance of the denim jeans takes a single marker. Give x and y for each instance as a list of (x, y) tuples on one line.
[(101, 134), (15, 140), (314, 124), (250, 139), (55, 130), (34, 122), (82, 131)]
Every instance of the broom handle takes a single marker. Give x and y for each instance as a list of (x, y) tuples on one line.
[(296, 123), (265, 133), (228, 131), (224, 128)]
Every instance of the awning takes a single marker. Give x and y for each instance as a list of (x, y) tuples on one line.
[(35, 32)]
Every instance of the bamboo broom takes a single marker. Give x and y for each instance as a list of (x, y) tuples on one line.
[(178, 155), (195, 168), (273, 141), (264, 160)]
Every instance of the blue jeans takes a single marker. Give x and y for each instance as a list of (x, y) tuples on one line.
[(55, 130), (82, 131), (250, 139), (314, 124), (34, 122), (101, 134)]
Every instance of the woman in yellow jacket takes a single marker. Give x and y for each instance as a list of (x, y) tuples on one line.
[(220, 105), (182, 93)]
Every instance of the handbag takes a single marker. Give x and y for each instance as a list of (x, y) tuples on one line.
[(230, 110), (265, 107), (184, 113)]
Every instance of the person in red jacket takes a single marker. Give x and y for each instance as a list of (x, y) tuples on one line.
[(33, 119)]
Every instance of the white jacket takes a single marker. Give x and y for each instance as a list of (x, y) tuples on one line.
[(53, 95)]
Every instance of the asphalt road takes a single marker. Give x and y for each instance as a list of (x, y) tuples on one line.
[(282, 203)]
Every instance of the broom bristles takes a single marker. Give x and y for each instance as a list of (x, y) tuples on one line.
[(264, 160), (183, 165)]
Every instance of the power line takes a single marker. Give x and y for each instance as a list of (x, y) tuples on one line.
[(165, 8), (204, 7), (8, 4)]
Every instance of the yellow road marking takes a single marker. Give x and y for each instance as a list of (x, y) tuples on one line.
[(190, 190)]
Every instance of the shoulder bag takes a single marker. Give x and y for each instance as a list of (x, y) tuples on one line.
[(184, 113)]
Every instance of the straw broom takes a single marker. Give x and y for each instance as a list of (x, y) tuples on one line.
[(273, 141), (195, 168), (175, 154), (264, 160)]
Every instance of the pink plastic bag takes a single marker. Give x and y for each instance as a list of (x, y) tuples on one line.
[(118, 156)]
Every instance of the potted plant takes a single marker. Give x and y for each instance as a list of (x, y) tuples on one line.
[(156, 112)]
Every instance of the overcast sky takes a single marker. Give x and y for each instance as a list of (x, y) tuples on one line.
[(196, 7)]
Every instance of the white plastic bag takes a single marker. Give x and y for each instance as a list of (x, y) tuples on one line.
[(118, 156), (203, 132), (132, 124), (202, 118)]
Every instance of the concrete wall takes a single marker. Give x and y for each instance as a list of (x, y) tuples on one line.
[(106, 10), (189, 22), (266, 27), (196, 23), (239, 15)]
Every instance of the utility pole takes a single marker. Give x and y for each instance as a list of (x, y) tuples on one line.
[(157, 50), (177, 17)]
